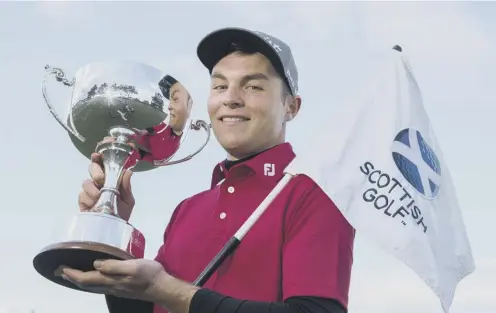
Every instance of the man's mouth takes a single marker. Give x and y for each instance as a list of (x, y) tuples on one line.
[(232, 119)]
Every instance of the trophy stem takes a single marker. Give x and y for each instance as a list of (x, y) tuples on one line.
[(115, 155)]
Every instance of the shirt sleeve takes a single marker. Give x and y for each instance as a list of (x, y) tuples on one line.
[(124, 305), (208, 301), (317, 250)]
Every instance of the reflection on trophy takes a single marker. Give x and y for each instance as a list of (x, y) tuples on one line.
[(144, 117), (163, 140)]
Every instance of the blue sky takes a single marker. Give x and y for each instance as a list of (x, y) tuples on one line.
[(337, 47)]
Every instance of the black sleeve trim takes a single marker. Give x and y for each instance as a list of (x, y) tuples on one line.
[(124, 305), (208, 301)]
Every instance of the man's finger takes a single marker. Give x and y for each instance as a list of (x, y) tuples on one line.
[(96, 173), (85, 202), (88, 280), (115, 267), (90, 189), (96, 158)]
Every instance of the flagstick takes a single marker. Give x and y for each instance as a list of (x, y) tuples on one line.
[(235, 240)]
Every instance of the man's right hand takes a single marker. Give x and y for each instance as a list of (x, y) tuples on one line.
[(91, 189)]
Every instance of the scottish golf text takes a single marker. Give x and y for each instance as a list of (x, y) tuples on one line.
[(386, 194)]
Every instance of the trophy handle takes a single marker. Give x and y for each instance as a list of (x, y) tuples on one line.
[(196, 125), (60, 77)]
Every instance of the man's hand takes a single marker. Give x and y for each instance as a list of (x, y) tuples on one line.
[(134, 279), (139, 279), (91, 188)]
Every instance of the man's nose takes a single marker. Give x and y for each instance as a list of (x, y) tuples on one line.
[(233, 98)]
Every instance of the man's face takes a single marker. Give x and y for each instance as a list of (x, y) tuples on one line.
[(179, 109), (246, 104)]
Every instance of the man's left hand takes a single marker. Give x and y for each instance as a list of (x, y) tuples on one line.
[(134, 279)]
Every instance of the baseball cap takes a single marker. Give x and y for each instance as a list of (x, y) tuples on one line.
[(166, 84), (216, 45)]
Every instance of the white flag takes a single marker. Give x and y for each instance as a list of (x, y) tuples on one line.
[(381, 164)]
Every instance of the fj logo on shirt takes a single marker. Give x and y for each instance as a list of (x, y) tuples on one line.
[(269, 169)]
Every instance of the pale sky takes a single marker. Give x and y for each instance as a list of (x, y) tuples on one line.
[(451, 47)]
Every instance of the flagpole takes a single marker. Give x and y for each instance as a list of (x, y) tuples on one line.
[(235, 240)]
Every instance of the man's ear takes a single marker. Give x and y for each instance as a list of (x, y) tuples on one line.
[(292, 105)]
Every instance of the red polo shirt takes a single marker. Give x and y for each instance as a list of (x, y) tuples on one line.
[(301, 246), (162, 144)]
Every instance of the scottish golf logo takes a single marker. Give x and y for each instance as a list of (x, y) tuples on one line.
[(417, 162), (386, 191)]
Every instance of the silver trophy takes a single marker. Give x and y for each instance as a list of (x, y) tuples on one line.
[(145, 116)]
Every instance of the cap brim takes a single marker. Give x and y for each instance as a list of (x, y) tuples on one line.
[(166, 84), (217, 45)]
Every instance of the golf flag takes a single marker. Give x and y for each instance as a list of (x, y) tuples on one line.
[(381, 164)]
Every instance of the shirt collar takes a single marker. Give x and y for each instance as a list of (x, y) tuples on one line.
[(269, 164)]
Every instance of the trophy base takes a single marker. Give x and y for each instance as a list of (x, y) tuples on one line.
[(76, 255), (90, 237)]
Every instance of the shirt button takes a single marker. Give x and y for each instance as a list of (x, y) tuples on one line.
[(222, 215), (230, 189)]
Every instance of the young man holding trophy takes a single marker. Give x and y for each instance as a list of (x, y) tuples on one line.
[(296, 258)]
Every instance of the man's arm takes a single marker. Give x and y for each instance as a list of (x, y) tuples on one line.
[(190, 299), (317, 261), (207, 301), (318, 251), (125, 305)]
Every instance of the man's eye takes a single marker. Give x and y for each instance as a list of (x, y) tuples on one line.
[(257, 88), (219, 87)]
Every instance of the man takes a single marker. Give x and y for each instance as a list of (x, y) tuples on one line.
[(163, 140), (296, 258)]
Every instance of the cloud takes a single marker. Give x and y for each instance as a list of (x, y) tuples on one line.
[(399, 289), (319, 21), (439, 32), (65, 11), (6, 309), (315, 21)]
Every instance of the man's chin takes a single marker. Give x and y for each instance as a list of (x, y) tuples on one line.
[(237, 150)]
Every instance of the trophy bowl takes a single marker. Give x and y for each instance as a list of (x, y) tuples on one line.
[(137, 118)]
